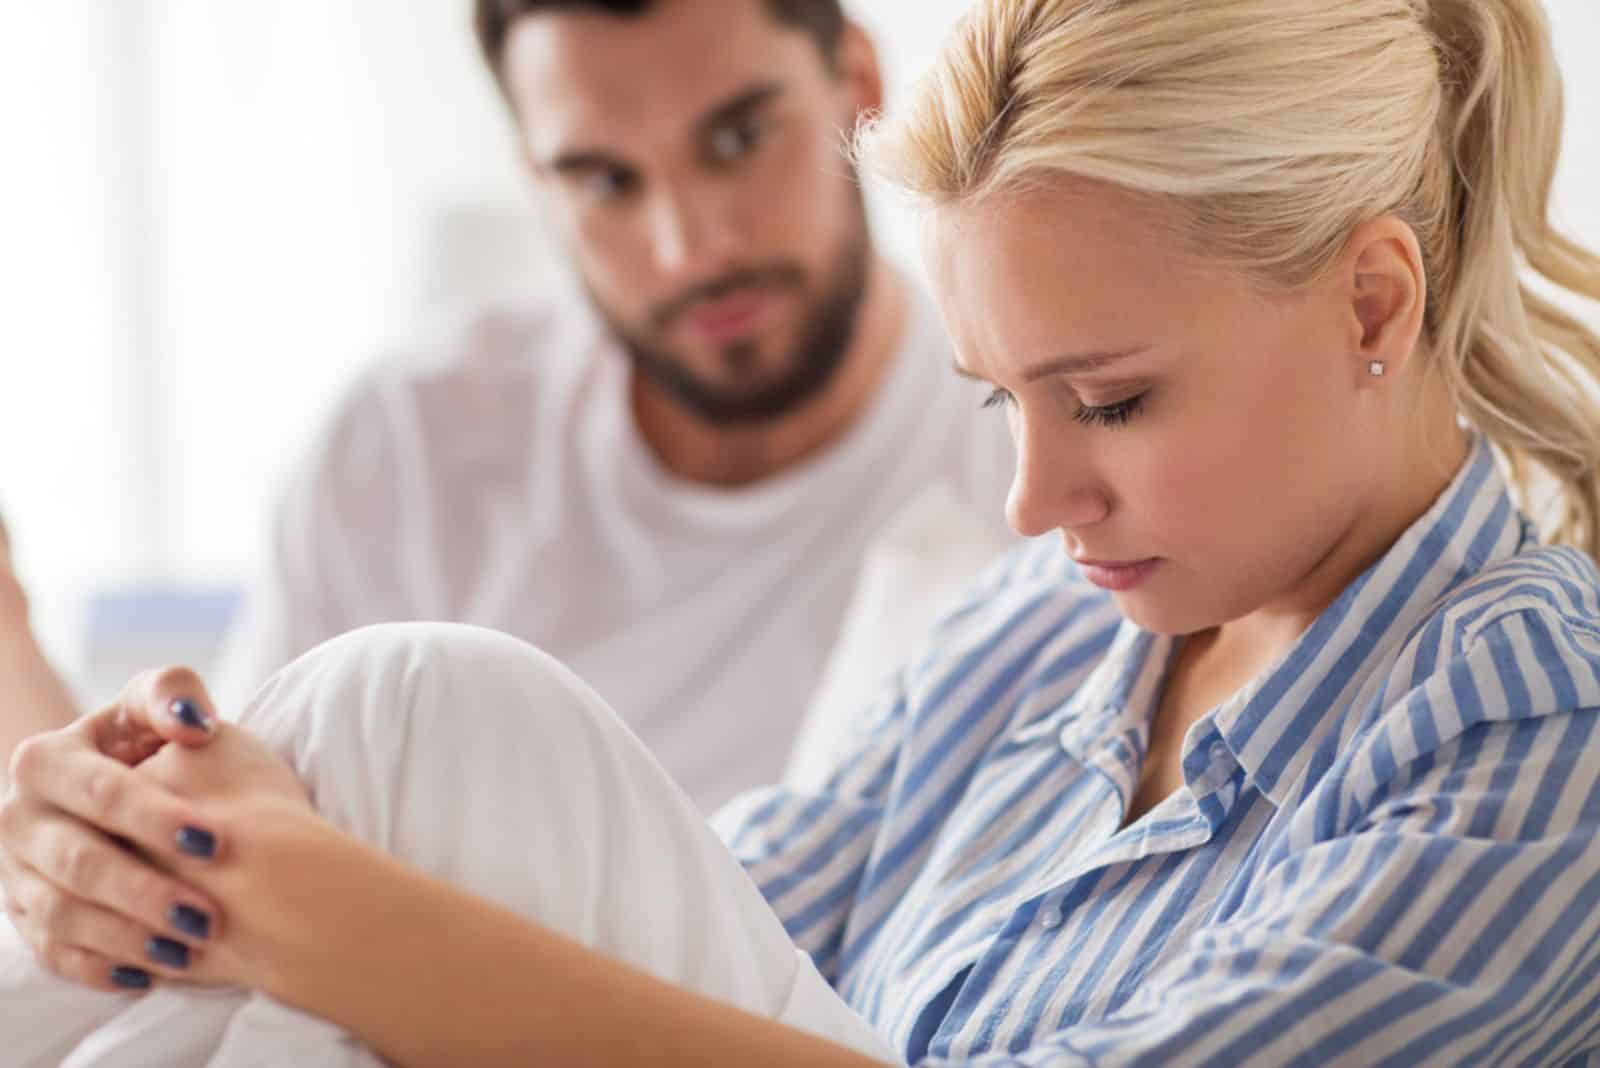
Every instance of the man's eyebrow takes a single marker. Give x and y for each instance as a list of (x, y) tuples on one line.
[(738, 106), (1065, 365), (583, 161)]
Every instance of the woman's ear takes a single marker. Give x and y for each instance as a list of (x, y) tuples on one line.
[(1387, 290)]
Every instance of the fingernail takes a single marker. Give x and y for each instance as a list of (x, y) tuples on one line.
[(197, 843), (131, 978), (190, 714), (166, 952), (190, 921)]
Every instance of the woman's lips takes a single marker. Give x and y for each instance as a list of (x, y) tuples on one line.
[(1119, 577)]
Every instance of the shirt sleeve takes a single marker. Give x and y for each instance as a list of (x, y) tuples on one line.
[(807, 850), (1446, 916)]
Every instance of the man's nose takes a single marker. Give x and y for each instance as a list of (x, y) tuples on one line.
[(693, 237)]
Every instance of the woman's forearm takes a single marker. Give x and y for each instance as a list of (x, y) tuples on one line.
[(426, 974), (33, 699)]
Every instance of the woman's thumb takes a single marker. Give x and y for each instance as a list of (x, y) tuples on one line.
[(156, 707)]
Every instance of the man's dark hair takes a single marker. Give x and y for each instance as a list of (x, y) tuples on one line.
[(823, 20)]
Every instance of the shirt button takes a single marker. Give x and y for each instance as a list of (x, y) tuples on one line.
[(1051, 919)]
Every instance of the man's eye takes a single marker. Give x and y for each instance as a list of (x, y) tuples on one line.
[(606, 184), (733, 143)]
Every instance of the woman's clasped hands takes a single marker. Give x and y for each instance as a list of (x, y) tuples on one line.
[(135, 844)]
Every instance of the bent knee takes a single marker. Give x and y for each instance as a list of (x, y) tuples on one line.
[(395, 690)]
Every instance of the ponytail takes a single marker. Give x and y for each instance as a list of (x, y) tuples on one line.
[(1524, 371)]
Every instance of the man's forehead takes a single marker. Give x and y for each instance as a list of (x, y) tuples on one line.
[(597, 79)]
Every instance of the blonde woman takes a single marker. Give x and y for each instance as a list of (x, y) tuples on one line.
[(1283, 748)]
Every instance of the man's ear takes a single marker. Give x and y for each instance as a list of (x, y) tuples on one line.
[(857, 67), (1386, 286)]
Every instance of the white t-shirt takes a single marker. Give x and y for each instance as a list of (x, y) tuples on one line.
[(498, 478)]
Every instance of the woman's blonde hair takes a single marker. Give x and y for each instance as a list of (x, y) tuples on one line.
[(1274, 127)]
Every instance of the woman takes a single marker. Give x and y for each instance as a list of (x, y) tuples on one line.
[(1285, 753)]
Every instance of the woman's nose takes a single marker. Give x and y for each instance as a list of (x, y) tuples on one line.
[(1053, 488)]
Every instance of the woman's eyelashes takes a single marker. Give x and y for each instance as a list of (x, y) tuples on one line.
[(1116, 414), (999, 398), (1108, 415)]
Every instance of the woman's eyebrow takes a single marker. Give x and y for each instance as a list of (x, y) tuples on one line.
[(1064, 365), (1079, 364)]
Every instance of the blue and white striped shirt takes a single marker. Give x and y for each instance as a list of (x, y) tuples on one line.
[(1386, 851)]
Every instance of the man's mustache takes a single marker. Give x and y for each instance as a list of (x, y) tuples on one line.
[(777, 276)]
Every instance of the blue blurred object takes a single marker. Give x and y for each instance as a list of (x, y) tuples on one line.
[(114, 615), (127, 631)]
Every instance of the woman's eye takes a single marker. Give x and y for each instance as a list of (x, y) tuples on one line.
[(732, 143), (1111, 415), (999, 398)]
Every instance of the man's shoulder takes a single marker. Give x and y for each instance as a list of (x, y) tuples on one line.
[(488, 354), (472, 381)]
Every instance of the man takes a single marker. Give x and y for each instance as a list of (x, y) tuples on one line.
[(667, 477)]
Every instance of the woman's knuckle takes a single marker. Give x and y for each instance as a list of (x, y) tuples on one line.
[(147, 894), (53, 952), (105, 791), (77, 865), (26, 761), (48, 911)]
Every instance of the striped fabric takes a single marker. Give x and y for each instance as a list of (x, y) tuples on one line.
[(1386, 852)]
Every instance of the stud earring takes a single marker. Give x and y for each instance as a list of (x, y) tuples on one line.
[(1377, 368)]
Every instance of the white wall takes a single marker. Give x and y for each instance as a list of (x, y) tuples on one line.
[(189, 284), (1577, 199), (308, 150), (69, 328)]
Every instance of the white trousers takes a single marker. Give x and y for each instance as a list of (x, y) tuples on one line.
[(484, 762)]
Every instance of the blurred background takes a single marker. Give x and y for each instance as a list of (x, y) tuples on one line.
[(217, 211)]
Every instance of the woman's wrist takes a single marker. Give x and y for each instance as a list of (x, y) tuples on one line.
[(279, 892), (14, 615)]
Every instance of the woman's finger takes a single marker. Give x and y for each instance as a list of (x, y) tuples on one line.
[(59, 773), (55, 920), (64, 866), (84, 968)]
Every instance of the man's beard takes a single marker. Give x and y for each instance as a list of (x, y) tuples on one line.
[(828, 327)]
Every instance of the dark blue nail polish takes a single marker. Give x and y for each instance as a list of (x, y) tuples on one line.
[(190, 921), (131, 978), (197, 843), (166, 952), (189, 714)]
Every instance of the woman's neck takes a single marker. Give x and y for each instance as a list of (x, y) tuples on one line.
[(1420, 465)]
